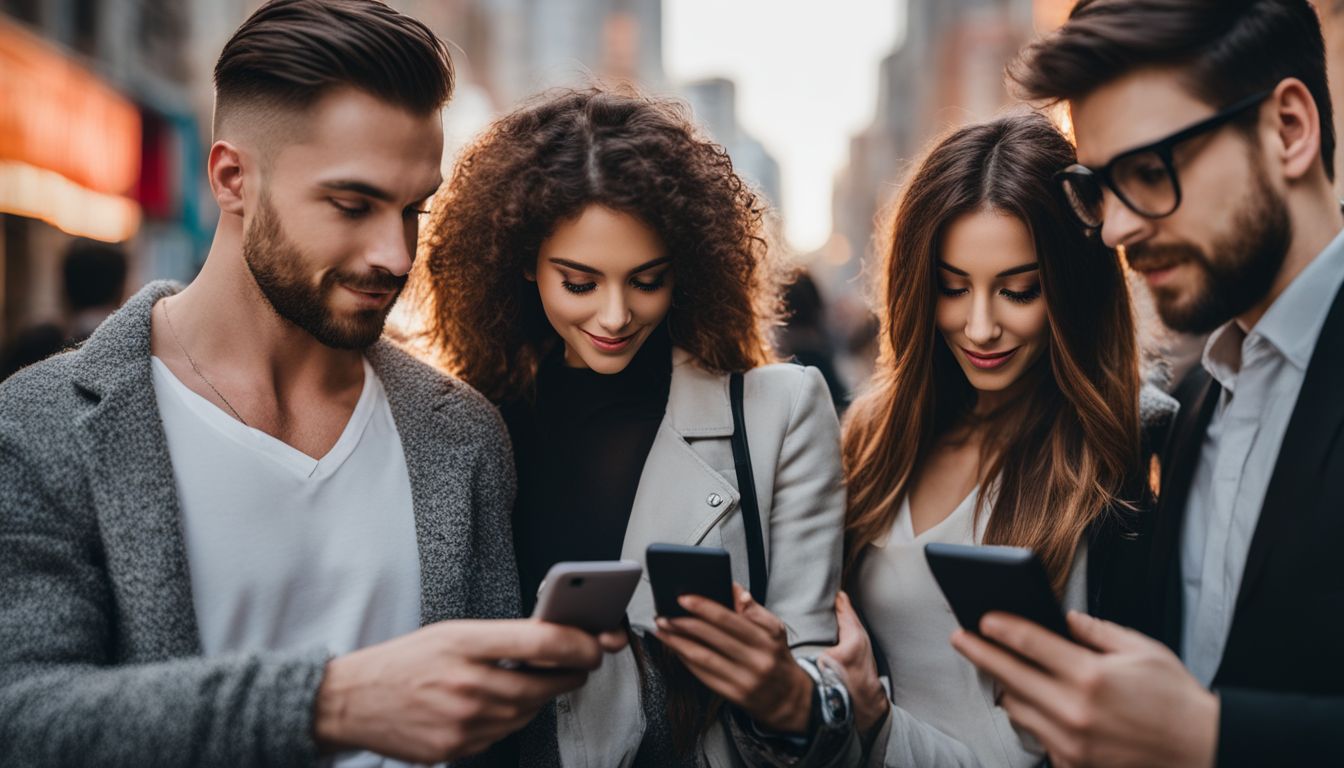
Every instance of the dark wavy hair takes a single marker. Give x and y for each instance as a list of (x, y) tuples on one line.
[(543, 165)]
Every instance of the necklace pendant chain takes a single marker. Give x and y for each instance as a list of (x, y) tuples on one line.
[(196, 367)]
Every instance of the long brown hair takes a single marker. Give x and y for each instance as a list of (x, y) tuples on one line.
[(1068, 447), (542, 165)]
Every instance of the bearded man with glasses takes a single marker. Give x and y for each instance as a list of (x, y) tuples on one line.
[(1206, 142)]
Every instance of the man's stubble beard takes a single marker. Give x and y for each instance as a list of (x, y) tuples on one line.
[(1236, 276), (278, 266)]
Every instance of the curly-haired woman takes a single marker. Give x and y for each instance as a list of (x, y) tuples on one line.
[(597, 269)]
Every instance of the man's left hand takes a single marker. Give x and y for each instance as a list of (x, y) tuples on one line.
[(1118, 699)]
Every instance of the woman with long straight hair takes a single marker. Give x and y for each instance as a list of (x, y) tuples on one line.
[(1005, 409), (597, 269)]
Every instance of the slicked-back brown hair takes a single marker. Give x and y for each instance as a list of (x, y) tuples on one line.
[(290, 53), (1065, 452), (1225, 50)]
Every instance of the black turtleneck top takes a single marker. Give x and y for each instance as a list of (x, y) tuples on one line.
[(579, 449)]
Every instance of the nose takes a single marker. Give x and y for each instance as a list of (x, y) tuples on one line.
[(982, 328), (393, 248), (1119, 225), (614, 315)]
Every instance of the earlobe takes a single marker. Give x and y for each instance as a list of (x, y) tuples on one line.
[(1299, 128), (530, 275), (226, 177)]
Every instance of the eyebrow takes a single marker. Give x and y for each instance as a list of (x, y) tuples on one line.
[(574, 265), (369, 190), (1032, 267)]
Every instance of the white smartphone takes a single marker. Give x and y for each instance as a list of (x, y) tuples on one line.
[(591, 596)]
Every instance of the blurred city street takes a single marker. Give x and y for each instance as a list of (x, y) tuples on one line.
[(106, 108)]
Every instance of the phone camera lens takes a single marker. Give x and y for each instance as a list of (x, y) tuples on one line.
[(577, 581)]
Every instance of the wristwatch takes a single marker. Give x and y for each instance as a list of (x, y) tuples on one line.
[(831, 708), (828, 725)]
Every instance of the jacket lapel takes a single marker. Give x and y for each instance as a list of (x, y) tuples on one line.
[(133, 487), (680, 497), (440, 465), (1180, 458), (1316, 420)]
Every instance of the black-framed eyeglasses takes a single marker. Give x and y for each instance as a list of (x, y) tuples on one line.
[(1143, 178)]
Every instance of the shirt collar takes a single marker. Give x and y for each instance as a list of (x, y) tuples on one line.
[(1292, 324)]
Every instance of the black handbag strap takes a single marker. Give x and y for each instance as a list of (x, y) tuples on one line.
[(746, 491)]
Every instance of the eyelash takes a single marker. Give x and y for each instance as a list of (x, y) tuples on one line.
[(1022, 297), (648, 287), (359, 211), (351, 212)]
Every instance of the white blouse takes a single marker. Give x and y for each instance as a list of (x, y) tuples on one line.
[(943, 710)]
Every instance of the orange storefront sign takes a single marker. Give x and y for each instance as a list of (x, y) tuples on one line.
[(69, 143), (58, 116)]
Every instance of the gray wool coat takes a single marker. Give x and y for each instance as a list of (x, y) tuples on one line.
[(100, 659)]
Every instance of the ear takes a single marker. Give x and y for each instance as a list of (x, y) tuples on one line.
[(226, 177), (1298, 128), (529, 274)]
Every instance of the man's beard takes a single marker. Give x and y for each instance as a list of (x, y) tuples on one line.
[(1234, 280), (278, 267)]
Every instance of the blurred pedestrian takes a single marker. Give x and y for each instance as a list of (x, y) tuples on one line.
[(806, 337), (94, 283)]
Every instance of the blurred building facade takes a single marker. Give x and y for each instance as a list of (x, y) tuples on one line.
[(104, 115), (946, 71), (714, 103), (105, 109)]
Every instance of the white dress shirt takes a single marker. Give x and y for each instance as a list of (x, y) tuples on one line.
[(1261, 373)]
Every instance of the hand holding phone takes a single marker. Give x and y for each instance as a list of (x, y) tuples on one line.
[(676, 570)]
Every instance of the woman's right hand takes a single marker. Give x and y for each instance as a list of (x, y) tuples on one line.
[(855, 654)]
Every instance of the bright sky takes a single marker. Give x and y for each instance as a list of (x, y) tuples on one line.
[(806, 73)]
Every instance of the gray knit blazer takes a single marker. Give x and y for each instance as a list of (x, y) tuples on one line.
[(100, 660)]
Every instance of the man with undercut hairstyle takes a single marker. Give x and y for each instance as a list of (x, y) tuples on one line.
[(238, 527), (1205, 148)]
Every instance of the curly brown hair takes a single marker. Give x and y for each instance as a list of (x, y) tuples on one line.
[(543, 165)]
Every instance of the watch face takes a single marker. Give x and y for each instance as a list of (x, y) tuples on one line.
[(835, 704)]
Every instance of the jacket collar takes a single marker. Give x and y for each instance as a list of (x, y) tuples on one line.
[(697, 403), (132, 482)]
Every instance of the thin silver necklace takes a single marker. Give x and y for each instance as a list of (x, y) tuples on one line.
[(197, 368)]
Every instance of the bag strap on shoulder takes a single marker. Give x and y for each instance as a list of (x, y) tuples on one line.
[(746, 489)]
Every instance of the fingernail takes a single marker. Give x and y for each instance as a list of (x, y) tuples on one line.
[(686, 601), (661, 623), (989, 625)]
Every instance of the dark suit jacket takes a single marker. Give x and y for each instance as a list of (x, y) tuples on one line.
[(1281, 679)]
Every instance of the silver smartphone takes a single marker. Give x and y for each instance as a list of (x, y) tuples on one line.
[(591, 596)]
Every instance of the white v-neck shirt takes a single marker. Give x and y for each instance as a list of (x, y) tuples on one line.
[(286, 551), (942, 704)]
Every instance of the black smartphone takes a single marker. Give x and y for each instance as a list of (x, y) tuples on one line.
[(676, 570), (978, 580)]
